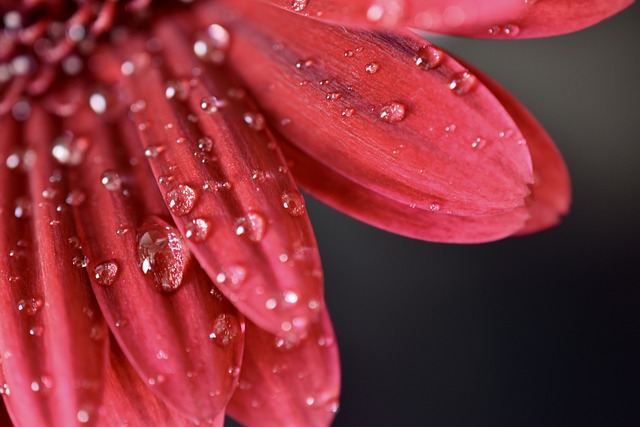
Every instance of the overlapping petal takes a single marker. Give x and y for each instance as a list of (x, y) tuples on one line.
[(473, 18)]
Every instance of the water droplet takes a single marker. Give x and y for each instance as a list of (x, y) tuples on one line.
[(197, 230), (372, 67), (226, 328), (299, 5), (304, 63), (254, 120), (462, 82), (511, 30), (80, 261), (162, 254), (290, 297), (478, 143), (212, 104), (105, 273), (30, 306), (181, 199), (75, 197), (285, 343), (334, 96), (177, 89), (98, 103), (111, 180), (434, 207), (293, 202), (23, 208), (429, 57), (252, 226), (348, 54), (83, 416), (393, 112), (258, 175), (348, 112), (153, 151), (69, 150), (213, 45)]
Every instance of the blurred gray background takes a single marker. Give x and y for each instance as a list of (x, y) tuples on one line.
[(536, 331)]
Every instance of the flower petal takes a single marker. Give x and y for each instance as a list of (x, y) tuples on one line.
[(226, 184), (551, 191), (184, 339), (393, 113), (53, 338), (288, 383), (474, 18)]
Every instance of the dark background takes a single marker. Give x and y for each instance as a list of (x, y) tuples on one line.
[(536, 331)]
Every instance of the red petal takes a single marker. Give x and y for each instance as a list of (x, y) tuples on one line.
[(288, 383), (221, 169), (551, 191), (128, 400), (52, 335), (162, 319), (357, 102), (475, 18)]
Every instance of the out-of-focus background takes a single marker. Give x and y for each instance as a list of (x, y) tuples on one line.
[(536, 331)]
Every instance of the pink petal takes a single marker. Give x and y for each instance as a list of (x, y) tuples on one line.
[(288, 383), (474, 18), (368, 105), (226, 184), (184, 339), (53, 338), (129, 401), (551, 191)]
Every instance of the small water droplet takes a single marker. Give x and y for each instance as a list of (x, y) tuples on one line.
[(429, 57), (30, 306), (290, 297), (23, 208), (258, 175), (434, 207), (181, 199), (393, 112), (162, 254), (98, 103), (111, 180), (348, 112), (153, 151), (197, 230), (285, 343), (105, 273), (304, 63), (211, 104), (372, 67), (69, 150), (299, 5), (80, 261), (254, 120), (75, 197), (462, 82), (226, 328), (333, 96), (478, 143), (293, 202), (251, 226), (348, 54), (177, 89)]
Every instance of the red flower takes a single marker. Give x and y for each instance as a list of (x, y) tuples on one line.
[(158, 266)]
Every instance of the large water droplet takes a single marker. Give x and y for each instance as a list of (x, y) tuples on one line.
[(181, 199), (162, 254), (293, 202), (393, 112), (251, 226), (428, 57), (462, 82), (105, 273), (226, 328)]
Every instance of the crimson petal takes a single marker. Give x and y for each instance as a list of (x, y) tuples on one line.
[(159, 304), (225, 183), (474, 18), (293, 383), (53, 338)]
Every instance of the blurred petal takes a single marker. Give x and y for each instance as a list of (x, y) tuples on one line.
[(391, 112), (551, 191), (473, 18), (286, 383), (159, 304), (52, 335)]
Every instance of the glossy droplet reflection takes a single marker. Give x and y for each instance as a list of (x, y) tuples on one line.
[(462, 82), (226, 328), (162, 254), (181, 199), (105, 273), (393, 112), (428, 57), (293, 202), (251, 226)]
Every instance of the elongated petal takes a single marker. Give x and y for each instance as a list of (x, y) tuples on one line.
[(53, 339), (391, 112), (475, 18), (182, 337), (226, 184), (551, 191), (128, 401), (286, 383)]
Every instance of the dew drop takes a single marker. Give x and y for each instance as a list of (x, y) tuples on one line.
[(478, 143), (75, 197), (153, 151), (30, 306), (290, 297), (197, 230), (258, 175), (232, 276), (181, 199), (304, 63), (333, 96), (23, 208), (434, 207), (254, 120), (226, 328), (393, 112), (162, 254), (177, 89), (429, 57), (372, 67), (299, 5), (462, 82), (293, 202), (69, 151), (251, 226), (80, 261), (348, 112), (111, 180), (105, 273), (348, 54), (212, 104), (511, 30)]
